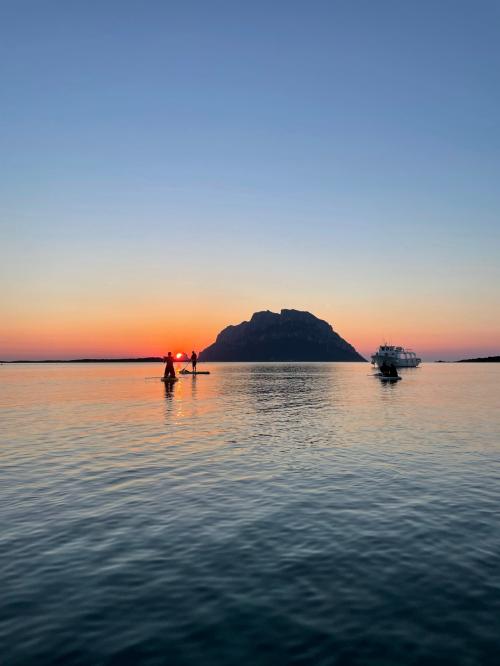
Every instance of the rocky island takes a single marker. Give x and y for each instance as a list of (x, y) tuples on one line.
[(291, 335)]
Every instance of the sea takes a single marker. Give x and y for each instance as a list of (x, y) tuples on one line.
[(266, 514)]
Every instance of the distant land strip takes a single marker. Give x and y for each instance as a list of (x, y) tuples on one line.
[(486, 359), (147, 359), (159, 359)]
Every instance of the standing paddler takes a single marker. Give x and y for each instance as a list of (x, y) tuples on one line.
[(194, 360), (169, 366)]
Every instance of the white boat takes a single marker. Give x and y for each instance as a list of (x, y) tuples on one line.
[(401, 357)]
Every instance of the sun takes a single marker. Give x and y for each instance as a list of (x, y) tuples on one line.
[(179, 355)]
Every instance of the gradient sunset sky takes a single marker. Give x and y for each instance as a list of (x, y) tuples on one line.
[(169, 168)]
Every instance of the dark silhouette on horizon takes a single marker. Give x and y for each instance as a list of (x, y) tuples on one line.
[(291, 335), (484, 359), (146, 359)]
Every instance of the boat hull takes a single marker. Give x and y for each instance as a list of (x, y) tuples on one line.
[(378, 359)]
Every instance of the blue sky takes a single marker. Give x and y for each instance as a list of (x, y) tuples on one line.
[(341, 157)]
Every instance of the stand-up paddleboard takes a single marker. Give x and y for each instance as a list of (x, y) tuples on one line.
[(197, 372), (169, 380)]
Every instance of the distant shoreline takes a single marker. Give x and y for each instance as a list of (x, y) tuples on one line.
[(148, 359), (152, 359), (485, 359), (158, 359)]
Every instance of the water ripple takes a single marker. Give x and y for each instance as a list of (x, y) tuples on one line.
[(265, 514)]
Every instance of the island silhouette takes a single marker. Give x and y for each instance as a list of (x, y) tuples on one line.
[(291, 335)]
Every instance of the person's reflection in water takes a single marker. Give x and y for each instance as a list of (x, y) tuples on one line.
[(193, 385), (169, 390)]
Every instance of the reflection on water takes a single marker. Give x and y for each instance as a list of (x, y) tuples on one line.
[(169, 389), (263, 514)]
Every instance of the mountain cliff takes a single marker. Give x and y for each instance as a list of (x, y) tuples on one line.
[(291, 335)]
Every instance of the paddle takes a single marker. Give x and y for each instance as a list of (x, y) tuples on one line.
[(188, 361)]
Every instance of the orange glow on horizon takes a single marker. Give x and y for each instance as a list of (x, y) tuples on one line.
[(138, 330)]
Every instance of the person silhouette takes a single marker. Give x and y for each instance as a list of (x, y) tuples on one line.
[(385, 369), (169, 366), (194, 360)]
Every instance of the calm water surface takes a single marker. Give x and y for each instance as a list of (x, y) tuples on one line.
[(265, 514)]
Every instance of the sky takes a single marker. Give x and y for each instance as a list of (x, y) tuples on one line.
[(169, 168)]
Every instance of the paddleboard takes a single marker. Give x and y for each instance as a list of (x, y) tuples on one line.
[(167, 380), (389, 379), (190, 372)]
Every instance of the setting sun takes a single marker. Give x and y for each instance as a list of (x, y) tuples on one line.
[(179, 355)]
